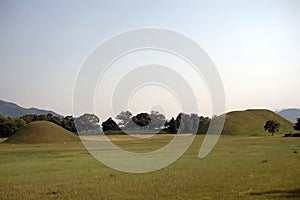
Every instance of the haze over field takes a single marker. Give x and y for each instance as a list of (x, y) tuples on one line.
[(255, 47)]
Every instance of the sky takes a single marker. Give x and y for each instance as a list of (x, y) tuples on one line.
[(255, 46)]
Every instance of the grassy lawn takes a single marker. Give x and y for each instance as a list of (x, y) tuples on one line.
[(237, 168)]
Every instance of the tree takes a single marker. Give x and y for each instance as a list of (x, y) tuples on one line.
[(69, 124), (297, 125), (54, 119), (178, 121), (110, 125), (29, 118), (49, 117), (87, 122), (42, 118), (203, 125), (157, 120), (142, 119), (171, 126), (124, 119), (272, 126), (194, 118), (187, 123), (20, 123), (9, 126)]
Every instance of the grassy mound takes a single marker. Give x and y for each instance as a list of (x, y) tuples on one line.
[(42, 132), (252, 122)]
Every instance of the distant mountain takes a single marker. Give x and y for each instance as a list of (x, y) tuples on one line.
[(252, 122), (290, 114), (9, 109)]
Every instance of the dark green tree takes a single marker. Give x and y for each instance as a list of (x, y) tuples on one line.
[(142, 119), (171, 126), (69, 124), (297, 125), (272, 126), (56, 120), (110, 125), (42, 118), (203, 125), (178, 121), (29, 118), (20, 123), (49, 117), (9, 126)]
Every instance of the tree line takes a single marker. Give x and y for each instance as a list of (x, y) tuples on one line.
[(157, 122), (90, 123), (126, 121)]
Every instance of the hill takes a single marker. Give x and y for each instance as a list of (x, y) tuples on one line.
[(42, 132), (290, 114), (9, 109), (251, 122)]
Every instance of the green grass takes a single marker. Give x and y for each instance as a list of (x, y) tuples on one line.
[(42, 132), (140, 145), (237, 168), (252, 122)]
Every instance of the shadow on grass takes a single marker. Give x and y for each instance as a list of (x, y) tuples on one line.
[(295, 193)]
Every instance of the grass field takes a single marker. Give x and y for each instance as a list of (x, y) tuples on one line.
[(237, 168)]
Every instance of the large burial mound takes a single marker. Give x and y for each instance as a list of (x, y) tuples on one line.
[(42, 132), (252, 122)]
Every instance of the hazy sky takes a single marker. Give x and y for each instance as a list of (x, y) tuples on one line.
[(255, 45)]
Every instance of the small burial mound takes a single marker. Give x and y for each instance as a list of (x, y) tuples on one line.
[(42, 132), (252, 122)]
